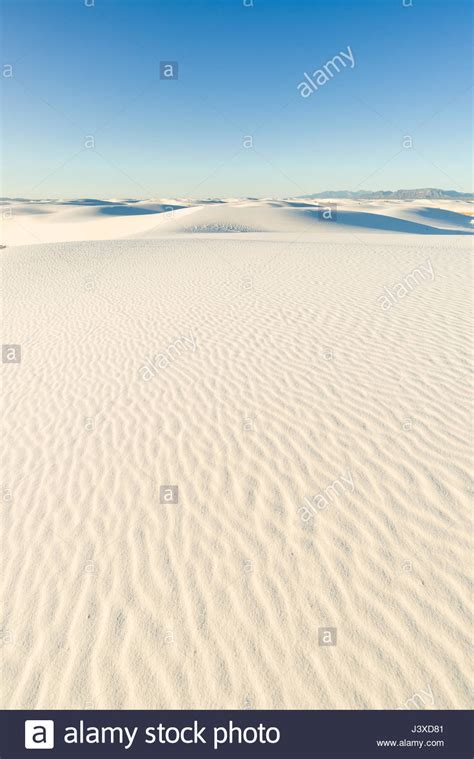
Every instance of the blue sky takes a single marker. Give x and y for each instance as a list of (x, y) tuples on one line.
[(80, 71)]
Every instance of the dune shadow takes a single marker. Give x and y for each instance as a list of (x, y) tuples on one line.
[(126, 211), (443, 214), (87, 202), (32, 210), (208, 202), (386, 223), (300, 204)]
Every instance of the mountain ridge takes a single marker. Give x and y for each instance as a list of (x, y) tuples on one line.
[(424, 193)]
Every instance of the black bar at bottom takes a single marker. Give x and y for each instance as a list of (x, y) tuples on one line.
[(325, 734)]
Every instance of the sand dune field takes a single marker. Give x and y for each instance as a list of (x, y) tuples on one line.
[(236, 455), (33, 222)]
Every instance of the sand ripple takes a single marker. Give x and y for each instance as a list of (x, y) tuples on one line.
[(113, 600)]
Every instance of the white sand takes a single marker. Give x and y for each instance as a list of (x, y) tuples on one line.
[(33, 222), (292, 376)]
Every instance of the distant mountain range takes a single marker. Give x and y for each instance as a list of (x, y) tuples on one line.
[(425, 193)]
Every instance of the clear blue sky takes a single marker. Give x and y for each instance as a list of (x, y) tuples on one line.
[(81, 71)]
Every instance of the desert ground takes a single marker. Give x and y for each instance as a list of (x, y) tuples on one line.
[(236, 454)]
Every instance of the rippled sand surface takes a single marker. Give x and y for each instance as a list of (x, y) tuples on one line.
[(253, 375)]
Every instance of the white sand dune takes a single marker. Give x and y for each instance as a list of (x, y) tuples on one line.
[(36, 223), (310, 219), (26, 223), (253, 370)]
